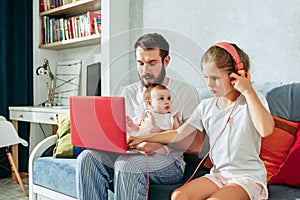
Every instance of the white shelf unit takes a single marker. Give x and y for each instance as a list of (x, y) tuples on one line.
[(112, 46)]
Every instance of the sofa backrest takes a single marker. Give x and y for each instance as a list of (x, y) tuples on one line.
[(284, 101)]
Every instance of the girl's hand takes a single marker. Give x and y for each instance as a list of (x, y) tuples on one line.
[(152, 147), (241, 81)]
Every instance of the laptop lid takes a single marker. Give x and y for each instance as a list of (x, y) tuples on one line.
[(98, 122)]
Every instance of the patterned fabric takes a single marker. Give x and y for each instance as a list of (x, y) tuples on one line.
[(98, 169)]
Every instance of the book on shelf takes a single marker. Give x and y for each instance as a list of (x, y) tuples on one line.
[(97, 25), (66, 29), (51, 4), (56, 29), (42, 6), (93, 17), (71, 34)]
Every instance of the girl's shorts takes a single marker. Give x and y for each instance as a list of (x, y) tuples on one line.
[(256, 191)]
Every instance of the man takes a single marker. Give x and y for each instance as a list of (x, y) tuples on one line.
[(130, 173)]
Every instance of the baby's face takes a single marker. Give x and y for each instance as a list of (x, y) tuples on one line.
[(161, 101)]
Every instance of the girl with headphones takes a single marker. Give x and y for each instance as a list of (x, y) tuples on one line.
[(234, 119)]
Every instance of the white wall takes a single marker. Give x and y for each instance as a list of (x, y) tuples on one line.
[(269, 31)]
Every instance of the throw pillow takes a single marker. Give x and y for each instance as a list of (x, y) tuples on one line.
[(64, 147), (275, 148), (289, 172)]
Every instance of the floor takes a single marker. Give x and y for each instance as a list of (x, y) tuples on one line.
[(10, 190)]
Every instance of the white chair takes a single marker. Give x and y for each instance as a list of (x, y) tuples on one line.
[(8, 137)]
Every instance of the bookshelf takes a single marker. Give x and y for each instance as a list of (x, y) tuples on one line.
[(114, 21), (68, 26), (75, 8), (72, 43), (104, 48)]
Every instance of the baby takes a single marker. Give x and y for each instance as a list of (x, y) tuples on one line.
[(158, 112), (157, 117)]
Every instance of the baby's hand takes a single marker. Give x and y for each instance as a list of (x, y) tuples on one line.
[(148, 125), (176, 123), (131, 125)]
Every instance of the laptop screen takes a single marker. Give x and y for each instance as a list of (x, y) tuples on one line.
[(98, 122)]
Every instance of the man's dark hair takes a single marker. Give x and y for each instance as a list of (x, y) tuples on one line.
[(153, 40)]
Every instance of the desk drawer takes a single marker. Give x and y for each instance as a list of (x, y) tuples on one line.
[(46, 118), (22, 116)]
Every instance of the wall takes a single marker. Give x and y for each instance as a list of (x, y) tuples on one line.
[(267, 30)]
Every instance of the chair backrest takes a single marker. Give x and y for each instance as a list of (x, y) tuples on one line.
[(9, 135), (2, 118)]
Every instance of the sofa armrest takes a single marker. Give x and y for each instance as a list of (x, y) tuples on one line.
[(36, 153), (42, 147)]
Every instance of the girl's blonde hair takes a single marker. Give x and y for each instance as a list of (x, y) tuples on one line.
[(223, 59)]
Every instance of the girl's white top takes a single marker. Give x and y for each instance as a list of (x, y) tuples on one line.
[(236, 152)]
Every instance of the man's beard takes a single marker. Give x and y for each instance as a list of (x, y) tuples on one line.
[(158, 80)]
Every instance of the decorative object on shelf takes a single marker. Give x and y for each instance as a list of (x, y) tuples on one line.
[(45, 70)]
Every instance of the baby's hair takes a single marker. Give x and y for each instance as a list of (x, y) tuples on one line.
[(223, 59), (147, 94)]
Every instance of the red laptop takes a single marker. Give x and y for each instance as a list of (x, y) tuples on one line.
[(98, 122)]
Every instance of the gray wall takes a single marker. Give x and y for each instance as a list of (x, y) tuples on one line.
[(269, 31)]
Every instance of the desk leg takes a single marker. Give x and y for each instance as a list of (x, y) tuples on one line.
[(54, 129), (14, 150)]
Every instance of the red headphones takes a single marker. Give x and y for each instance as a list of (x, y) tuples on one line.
[(232, 51)]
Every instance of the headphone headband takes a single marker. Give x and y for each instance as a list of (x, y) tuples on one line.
[(233, 52)]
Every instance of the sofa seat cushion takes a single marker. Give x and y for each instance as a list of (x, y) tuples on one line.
[(58, 174), (282, 192)]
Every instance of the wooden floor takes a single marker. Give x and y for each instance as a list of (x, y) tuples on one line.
[(10, 190)]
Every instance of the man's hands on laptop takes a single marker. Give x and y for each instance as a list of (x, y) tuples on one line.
[(136, 142)]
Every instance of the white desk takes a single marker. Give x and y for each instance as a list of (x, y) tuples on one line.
[(34, 114)]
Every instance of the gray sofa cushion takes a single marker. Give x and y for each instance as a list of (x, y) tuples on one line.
[(283, 192), (284, 101)]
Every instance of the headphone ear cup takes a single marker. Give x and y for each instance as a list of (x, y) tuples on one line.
[(239, 66)]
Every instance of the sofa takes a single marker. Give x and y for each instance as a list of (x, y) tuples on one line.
[(54, 178)]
